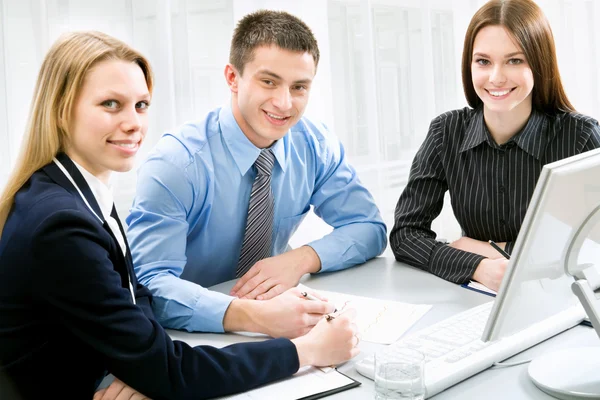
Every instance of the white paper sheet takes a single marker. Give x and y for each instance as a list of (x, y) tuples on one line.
[(378, 321)]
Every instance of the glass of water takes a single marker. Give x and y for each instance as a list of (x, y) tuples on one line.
[(399, 374)]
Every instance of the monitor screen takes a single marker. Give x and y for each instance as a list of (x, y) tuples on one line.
[(535, 286)]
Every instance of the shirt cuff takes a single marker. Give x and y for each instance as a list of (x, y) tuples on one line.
[(332, 257), (454, 265)]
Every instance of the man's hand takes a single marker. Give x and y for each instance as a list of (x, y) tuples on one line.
[(117, 390), (289, 315), (274, 275), (490, 272), (477, 247)]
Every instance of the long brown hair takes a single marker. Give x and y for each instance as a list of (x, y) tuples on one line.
[(58, 85), (528, 25)]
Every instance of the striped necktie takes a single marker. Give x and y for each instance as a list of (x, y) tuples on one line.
[(259, 223)]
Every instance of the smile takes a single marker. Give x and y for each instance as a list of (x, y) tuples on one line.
[(499, 93), (125, 145), (276, 116)]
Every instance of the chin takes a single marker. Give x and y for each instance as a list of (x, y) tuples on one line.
[(122, 167)]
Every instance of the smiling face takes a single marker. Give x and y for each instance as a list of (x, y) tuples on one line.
[(271, 94), (501, 75), (109, 118)]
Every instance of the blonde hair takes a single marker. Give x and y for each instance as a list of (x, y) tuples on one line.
[(59, 83)]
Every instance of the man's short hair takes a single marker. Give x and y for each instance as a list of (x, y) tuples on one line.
[(266, 28)]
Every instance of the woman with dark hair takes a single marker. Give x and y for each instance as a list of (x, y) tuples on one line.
[(490, 155)]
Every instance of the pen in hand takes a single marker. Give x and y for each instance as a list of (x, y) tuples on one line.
[(499, 249), (311, 297)]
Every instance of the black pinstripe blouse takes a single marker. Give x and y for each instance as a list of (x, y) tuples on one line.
[(490, 185)]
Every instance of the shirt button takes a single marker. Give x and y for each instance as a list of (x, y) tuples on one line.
[(502, 221)]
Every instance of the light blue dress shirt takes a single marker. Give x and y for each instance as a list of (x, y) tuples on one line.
[(188, 218)]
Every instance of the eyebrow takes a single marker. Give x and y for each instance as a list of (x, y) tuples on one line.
[(275, 76), (509, 55), (112, 93)]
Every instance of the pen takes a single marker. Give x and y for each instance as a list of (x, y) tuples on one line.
[(311, 297), (499, 250)]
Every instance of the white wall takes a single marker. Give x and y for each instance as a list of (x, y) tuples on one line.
[(387, 68)]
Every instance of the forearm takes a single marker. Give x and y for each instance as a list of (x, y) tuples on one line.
[(180, 304), (350, 245)]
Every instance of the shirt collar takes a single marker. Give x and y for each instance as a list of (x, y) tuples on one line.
[(102, 192), (244, 153), (532, 138)]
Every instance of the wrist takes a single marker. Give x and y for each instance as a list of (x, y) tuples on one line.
[(241, 315), (303, 350), (478, 275), (310, 261)]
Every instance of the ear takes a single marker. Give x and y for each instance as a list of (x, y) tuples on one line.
[(231, 77)]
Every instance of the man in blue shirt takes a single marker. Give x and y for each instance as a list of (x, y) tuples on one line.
[(191, 219)]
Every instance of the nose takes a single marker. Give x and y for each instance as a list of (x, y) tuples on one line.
[(131, 120), (497, 77), (282, 99)]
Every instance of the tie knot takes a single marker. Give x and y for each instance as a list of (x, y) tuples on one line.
[(264, 163)]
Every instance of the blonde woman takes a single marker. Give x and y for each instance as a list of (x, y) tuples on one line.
[(68, 294)]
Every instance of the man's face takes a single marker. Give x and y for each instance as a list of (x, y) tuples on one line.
[(271, 94)]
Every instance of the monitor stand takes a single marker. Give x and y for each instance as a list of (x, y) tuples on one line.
[(572, 373), (568, 374)]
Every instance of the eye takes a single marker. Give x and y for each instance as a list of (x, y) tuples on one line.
[(112, 104), (482, 61), (142, 105), (299, 88), (268, 82), (515, 61)]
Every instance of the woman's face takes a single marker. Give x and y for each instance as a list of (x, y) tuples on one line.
[(502, 77), (110, 118)]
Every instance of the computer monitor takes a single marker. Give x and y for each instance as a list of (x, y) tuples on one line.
[(537, 282)]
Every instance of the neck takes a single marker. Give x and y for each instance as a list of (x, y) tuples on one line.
[(504, 125), (104, 176)]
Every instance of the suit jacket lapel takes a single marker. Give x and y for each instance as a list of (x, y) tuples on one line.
[(59, 177)]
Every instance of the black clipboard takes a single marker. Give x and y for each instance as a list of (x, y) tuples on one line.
[(320, 395)]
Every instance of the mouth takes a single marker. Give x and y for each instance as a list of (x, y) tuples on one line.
[(276, 119), (128, 146), (500, 93)]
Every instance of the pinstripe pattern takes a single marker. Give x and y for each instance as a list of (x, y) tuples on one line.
[(259, 223), (490, 185)]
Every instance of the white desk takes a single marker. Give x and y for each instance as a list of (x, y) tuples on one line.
[(388, 279)]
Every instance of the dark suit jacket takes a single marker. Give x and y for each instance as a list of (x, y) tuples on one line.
[(67, 316)]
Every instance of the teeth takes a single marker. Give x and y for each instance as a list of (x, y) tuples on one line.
[(126, 145), (276, 117), (498, 94)]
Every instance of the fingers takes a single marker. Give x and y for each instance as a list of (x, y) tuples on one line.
[(247, 283), (317, 307), (113, 390), (98, 395), (260, 289), (273, 292)]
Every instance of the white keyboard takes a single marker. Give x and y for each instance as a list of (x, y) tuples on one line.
[(454, 350)]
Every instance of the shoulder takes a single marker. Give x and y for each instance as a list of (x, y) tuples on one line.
[(180, 146), (43, 205), (575, 121), (453, 119), (315, 136)]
